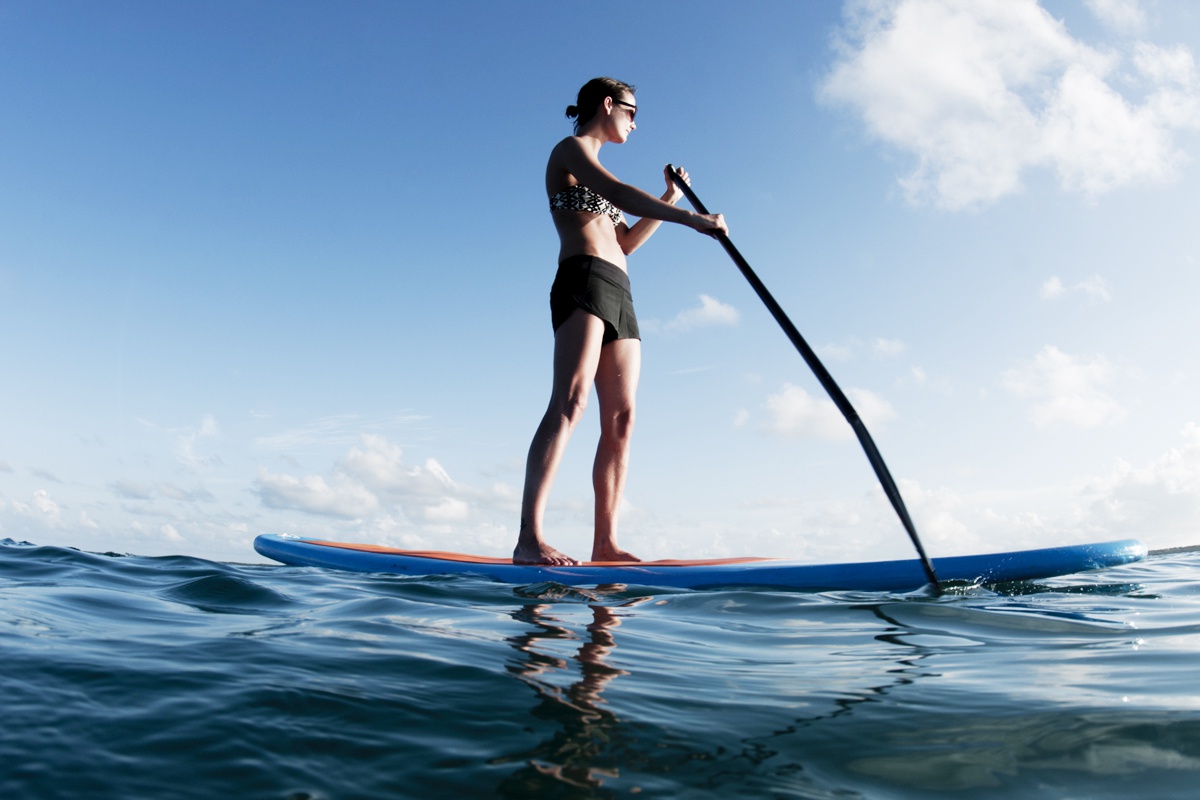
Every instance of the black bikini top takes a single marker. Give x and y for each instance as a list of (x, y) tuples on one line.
[(581, 198)]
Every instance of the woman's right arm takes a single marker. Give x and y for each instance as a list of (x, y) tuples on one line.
[(573, 157)]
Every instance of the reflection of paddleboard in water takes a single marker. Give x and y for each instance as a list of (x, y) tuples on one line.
[(710, 573)]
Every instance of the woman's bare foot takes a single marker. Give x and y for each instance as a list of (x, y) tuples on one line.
[(538, 552), (531, 549), (612, 554)]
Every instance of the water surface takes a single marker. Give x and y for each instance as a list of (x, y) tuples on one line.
[(176, 677)]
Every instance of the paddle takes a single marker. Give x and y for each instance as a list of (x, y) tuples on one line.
[(814, 363)]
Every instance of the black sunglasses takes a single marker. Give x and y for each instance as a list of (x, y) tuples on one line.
[(632, 108)]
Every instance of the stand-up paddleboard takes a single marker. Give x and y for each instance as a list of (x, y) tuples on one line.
[(710, 573)]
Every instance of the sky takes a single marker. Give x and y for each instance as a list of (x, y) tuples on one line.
[(283, 267)]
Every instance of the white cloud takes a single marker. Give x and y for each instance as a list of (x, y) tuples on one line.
[(342, 429), (888, 347), (439, 472), (981, 91), (199, 495), (380, 498), (1066, 389), (1125, 16), (1096, 141), (918, 378), (1161, 498), (872, 408), (47, 507), (710, 312), (378, 464), (878, 347), (1096, 288), (1165, 64), (1158, 502), (372, 482), (836, 352), (187, 441), (448, 509), (133, 490), (188, 438), (339, 497), (794, 412), (168, 533), (41, 508), (1052, 289)]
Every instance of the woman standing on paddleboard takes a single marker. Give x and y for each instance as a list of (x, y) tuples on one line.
[(596, 338)]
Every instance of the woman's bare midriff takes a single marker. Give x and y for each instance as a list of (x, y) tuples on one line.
[(585, 233)]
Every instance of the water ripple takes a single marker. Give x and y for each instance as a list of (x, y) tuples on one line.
[(177, 677)]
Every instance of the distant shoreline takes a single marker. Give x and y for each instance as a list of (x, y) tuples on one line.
[(1191, 548)]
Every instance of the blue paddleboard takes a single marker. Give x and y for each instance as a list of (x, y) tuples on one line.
[(904, 575)]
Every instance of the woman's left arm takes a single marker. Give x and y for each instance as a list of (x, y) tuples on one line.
[(631, 237)]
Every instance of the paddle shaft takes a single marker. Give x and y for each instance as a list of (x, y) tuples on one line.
[(814, 363)]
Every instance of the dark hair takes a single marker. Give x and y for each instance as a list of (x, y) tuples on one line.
[(592, 95)]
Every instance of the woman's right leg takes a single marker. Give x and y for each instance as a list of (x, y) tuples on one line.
[(577, 344)]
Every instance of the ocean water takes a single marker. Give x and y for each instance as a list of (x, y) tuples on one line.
[(132, 677)]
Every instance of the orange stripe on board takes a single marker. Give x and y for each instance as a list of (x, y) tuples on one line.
[(466, 558)]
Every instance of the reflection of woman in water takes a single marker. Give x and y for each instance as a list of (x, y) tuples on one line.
[(583, 753), (595, 331)]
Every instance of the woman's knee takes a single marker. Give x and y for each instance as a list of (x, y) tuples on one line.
[(618, 423), (570, 405)]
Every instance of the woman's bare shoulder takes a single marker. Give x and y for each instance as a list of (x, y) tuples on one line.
[(575, 157), (558, 171), (569, 147)]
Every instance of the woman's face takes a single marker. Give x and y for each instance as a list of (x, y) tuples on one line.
[(624, 110)]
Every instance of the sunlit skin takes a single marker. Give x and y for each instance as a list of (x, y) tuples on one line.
[(581, 359)]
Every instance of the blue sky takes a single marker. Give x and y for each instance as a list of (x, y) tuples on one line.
[(283, 267)]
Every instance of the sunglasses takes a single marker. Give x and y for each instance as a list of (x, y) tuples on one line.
[(632, 108)]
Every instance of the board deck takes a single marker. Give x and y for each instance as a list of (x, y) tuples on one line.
[(903, 575)]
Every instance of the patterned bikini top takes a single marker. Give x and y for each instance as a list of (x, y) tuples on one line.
[(581, 198)]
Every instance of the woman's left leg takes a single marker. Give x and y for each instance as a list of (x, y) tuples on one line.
[(578, 344), (616, 388)]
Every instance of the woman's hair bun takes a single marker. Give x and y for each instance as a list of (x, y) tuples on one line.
[(572, 111)]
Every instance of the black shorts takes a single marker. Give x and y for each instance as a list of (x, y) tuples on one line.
[(598, 287)]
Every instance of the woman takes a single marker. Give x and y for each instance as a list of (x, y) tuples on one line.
[(595, 331)]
